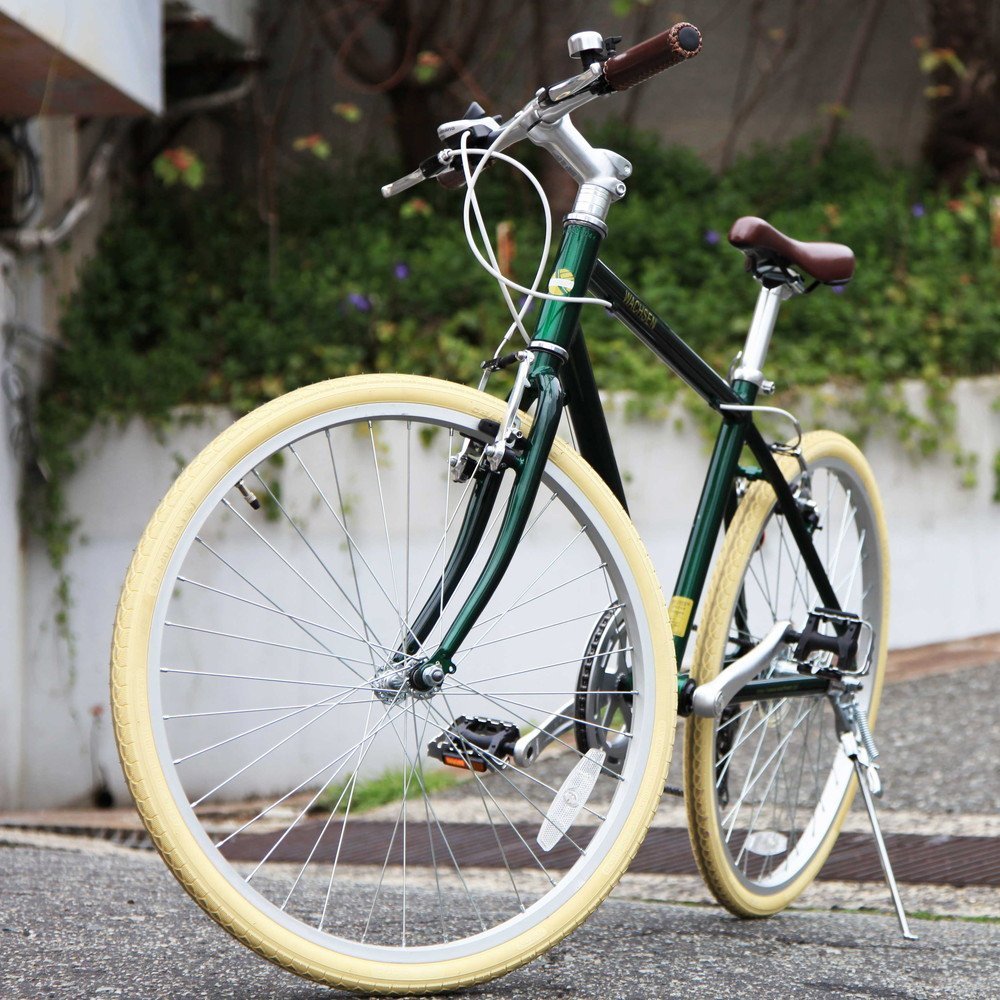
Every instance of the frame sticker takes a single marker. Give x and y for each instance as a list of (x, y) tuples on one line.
[(679, 613), (561, 282)]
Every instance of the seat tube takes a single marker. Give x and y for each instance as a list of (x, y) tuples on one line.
[(717, 493), (712, 505)]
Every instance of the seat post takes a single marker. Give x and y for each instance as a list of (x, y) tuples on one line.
[(751, 366)]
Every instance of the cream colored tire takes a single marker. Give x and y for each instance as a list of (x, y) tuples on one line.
[(767, 786), (195, 641)]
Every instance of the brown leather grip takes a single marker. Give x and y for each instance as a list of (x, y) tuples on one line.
[(639, 63)]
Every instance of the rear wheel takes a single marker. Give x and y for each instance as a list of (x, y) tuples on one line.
[(288, 769), (767, 785)]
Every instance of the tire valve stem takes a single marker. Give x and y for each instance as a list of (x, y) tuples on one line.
[(248, 496)]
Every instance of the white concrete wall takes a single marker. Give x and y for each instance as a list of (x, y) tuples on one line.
[(11, 585), (945, 544)]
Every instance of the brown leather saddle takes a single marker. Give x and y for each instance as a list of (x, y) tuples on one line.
[(828, 263)]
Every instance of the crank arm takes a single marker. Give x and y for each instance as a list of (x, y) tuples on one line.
[(531, 744), (710, 699)]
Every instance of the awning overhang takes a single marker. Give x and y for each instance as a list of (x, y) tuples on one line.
[(80, 57)]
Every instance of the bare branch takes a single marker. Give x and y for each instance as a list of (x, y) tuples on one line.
[(343, 33), (743, 109), (849, 84), (460, 52)]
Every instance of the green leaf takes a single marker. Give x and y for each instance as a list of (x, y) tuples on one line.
[(351, 113), (165, 171), (194, 176)]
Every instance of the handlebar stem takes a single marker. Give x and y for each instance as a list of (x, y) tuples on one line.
[(600, 173)]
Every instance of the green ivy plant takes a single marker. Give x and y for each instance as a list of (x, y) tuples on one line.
[(176, 307)]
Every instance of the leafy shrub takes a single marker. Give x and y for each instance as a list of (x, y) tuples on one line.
[(182, 304)]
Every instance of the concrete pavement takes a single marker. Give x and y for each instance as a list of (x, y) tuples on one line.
[(86, 918)]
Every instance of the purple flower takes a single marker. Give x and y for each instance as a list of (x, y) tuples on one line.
[(711, 237), (917, 211), (360, 302), (401, 270), (838, 289)]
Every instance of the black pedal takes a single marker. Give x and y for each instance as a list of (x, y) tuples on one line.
[(843, 644), (477, 744)]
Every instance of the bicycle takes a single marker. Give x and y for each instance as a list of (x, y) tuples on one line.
[(390, 571)]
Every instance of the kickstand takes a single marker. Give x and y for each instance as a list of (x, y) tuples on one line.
[(867, 772)]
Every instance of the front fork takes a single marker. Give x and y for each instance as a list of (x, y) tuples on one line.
[(528, 476), (550, 348)]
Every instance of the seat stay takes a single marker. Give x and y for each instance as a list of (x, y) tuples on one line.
[(793, 517)]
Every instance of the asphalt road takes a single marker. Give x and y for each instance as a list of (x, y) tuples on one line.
[(90, 920), (86, 919)]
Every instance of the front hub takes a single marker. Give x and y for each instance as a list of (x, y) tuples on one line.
[(400, 679), (425, 678)]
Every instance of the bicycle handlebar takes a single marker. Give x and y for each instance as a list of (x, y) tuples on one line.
[(620, 72), (642, 61)]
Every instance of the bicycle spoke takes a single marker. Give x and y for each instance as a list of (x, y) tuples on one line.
[(545, 593), (538, 628), (256, 729), (298, 531), (558, 556), (504, 765), (300, 623), (256, 677), (350, 543), (231, 508), (296, 619), (499, 701), (748, 784), (346, 660), (483, 792), (547, 666), (777, 771), (287, 795)]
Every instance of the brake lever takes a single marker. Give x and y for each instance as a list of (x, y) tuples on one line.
[(402, 184), (482, 133)]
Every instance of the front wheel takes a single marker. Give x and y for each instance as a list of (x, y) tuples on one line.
[(767, 784), (290, 771)]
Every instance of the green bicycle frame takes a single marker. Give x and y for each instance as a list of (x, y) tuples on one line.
[(561, 362)]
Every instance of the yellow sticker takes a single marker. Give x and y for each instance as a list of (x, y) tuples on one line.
[(679, 613), (561, 283)]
